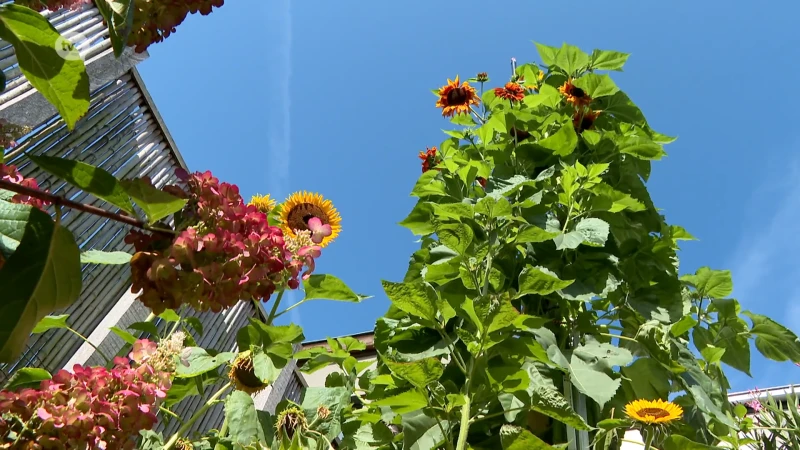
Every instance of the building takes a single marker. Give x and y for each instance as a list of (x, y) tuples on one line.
[(124, 134)]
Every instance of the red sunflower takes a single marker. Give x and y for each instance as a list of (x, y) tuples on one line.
[(511, 91), (429, 159), (574, 94), (584, 120), (456, 98)]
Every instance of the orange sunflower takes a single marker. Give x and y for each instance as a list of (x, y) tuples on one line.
[(574, 94), (584, 120), (511, 91), (456, 98)]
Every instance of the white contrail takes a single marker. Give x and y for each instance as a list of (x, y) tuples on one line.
[(279, 124)]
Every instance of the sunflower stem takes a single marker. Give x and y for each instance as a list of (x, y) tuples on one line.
[(648, 438), (272, 313), (188, 424)]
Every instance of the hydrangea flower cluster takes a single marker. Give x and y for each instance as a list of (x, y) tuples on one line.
[(10, 173), (93, 407), (228, 252), (53, 5)]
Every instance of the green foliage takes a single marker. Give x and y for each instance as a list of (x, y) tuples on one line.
[(328, 287), (41, 276), (27, 377), (155, 203), (197, 361), (101, 257), (62, 81), (118, 15)]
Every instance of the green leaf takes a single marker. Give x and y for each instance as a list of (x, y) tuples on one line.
[(596, 384), (491, 207), (101, 257), (547, 54), (516, 438), (156, 203), (244, 428), (412, 298), (50, 322), (147, 327), (27, 377), (124, 335), (264, 368), (608, 60), (118, 15), (712, 354), (91, 179), (196, 361), (422, 432), (610, 424), (404, 402), (170, 316), (428, 185), (419, 220), (641, 147), (195, 323), (62, 81), (597, 85), (602, 355), (419, 373), (571, 59), (533, 234), (711, 283), (540, 280), (648, 379), (612, 200), (562, 142), (594, 231), (678, 442), (773, 340), (42, 276), (569, 240), (550, 402), (456, 236), (682, 326), (336, 399), (328, 287)]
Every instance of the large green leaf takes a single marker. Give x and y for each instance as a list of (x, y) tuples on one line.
[(550, 402), (678, 442), (419, 219), (547, 53), (608, 60), (328, 287), (641, 147), (412, 298), (596, 384), (603, 355), (594, 231), (540, 280), (118, 15), (41, 276), (711, 283), (196, 361), (422, 432), (156, 203), (336, 399), (244, 427), (597, 85), (404, 402), (648, 379), (562, 142), (91, 179), (62, 80), (773, 340), (571, 59), (516, 438), (419, 373), (27, 377)]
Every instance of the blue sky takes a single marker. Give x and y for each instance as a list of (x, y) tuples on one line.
[(334, 97)]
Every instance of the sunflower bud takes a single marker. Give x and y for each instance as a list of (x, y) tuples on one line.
[(263, 203), (323, 412), (289, 421), (483, 77), (243, 374)]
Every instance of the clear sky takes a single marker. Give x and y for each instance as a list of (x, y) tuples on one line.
[(334, 97)]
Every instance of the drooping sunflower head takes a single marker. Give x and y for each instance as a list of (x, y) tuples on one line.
[(264, 203), (300, 208), (456, 98), (575, 95), (289, 421), (653, 411), (184, 444), (511, 91), (243, 374), (584, 120)]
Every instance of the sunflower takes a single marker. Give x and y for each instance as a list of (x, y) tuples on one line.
[(289, 421), (301, 207), (243, 374), (584, 120), (511, 91), (653, 411), (574, 94), (429, 158), (264, 203), (456, 98)]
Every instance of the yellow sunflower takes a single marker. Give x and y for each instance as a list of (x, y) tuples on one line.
[(456, 98), (299, 210), (574, 94), (264, 203), (243, 374), (653, 411)]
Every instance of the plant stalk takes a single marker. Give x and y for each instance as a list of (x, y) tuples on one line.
[(61, 201), (85, 339), (463, 430), (185, 427), (272, 313)]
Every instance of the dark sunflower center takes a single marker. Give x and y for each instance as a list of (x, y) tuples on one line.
[(578, 92), (654, 412), (586, 123), (299, 216), (457, 96), (247, 376)]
